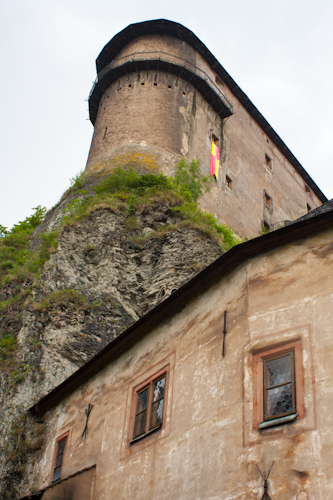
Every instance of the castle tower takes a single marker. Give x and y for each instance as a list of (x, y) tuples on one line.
[(160, 95)]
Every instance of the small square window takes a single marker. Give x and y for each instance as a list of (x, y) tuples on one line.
[(228, 182), (149, 406), (59, 457), (268, 161), (278, 385)]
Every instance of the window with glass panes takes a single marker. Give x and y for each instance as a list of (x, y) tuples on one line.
[(59, 458), (279, 386), (149, 407)]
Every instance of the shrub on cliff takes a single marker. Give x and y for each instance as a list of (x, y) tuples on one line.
[(127, 190), (16, 257)]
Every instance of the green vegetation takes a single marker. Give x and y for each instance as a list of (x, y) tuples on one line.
[(17, 260), (64, 298), (77, 181), (16, 371), (7, 347), (127, 191), (189, 182), (18, 375)]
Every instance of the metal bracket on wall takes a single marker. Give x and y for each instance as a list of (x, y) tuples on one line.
[(265, 478), (85, 430), (224, 332)]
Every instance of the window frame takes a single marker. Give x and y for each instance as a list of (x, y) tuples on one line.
[(138, 389), (259, 358), (292, 382), (62, 437)]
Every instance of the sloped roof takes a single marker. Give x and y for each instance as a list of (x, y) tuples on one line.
[(326, 207)]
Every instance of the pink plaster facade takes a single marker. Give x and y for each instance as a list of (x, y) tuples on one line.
[(209, 446)]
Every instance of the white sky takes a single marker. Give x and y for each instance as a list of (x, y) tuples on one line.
[(278, 51)]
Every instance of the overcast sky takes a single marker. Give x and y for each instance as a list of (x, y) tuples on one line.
[(278, 51)]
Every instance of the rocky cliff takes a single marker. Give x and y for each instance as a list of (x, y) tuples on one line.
[(108, 263)]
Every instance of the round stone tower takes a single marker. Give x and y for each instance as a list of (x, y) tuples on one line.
[(154, 101), (161, 95)]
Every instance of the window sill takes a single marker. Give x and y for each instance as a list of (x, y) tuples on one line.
[(146, 434), (277, 421)]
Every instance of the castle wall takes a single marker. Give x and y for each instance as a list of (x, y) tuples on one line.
[(149, 119), (209, 446)]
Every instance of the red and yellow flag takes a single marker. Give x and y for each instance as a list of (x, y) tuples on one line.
[(215, 161)]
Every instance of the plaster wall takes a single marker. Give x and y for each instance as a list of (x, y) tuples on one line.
[(150, 119), (208, 448)]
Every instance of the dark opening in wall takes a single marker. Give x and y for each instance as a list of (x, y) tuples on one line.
[(268, 161), (228, 182), (268, 201), (308, 208), (307, 189), (215, 140), (105, 131)]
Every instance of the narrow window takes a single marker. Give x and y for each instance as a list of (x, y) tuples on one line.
[(268, 201), (59, 458), (307, 189), (228, 182), (268, 161), (279, 386), (308, 208), (105, 132), (149, 407)]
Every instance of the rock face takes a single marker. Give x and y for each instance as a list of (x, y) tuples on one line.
[(107, 271)]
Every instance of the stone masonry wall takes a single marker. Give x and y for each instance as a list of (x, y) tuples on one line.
[(150, 119)]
